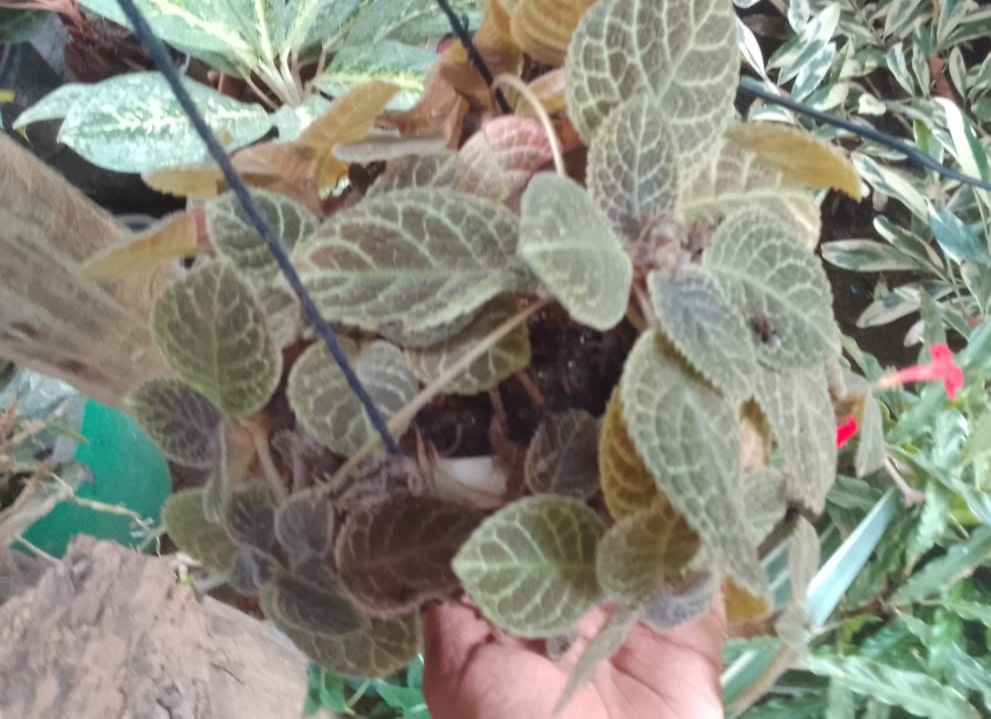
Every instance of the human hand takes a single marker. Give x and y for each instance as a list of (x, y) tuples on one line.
[(470, 673)]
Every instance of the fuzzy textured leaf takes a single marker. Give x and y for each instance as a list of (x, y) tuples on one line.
[(563, 456), (682, 52), (797, 406), (688, 438), (632, 174), (133, 123), (311, 607), (249, 515), (627, 484), (234, 236), (394, 555), (412, 264), (324, 403), (567, 241), (215, 335), (871, 450), (189, 528), (800, 156), (530, 567), (499, 362), (682, 603), (434, 170), (500, 158), (304, 525), (732, 178), (711, 336), (764, 499), (543, 28), (780, 288), (251, 569), (645, 553), (181, 421)]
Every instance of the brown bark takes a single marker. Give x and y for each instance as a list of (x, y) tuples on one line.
[(108, 633), (94, 336)]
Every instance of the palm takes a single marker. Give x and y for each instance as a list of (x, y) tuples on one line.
[(472, 675)]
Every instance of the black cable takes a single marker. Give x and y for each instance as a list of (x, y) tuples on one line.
[(159, 55), (461, 30), (749, 86)]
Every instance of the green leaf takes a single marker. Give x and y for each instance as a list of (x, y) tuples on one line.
[(249, 516), (867, 256), (712, 337), (965, 673), (645, 553), (308, 606), (413, 264), (781, 289), (375, 480), (434, 170), (681, 603), (913, 691), (764, 500), (283, 311), (732, 179), (133, 123), (327, 407), (567, 241), (252, 569), (55, 105), (291, 121), (530, 567), (841, 702), (871, 449), (407, 20), (797, 405), (214, 334), (960, 242), (386, 646), (607, 642), (234, 236), (682, 52), (304, 525), (388, 61), (933, 521), (181, 421), (17, 26), (189, 528), (563, 456), (394, 555), (499, 362), (939, 574), (499, 159), (803, 558), (688, 438), (632, 174)]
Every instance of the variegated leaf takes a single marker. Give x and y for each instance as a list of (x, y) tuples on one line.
[(797, 405), (53, 106), (627, 484), (215, 335), (499, 362), (731, 179), (543, 28), (327, 407), (683, 52), (632, 174), (412, 264), (563, 456), (189, 528), (234, 235), (181, 421), (567, 241), (780, 288), (395, 554), (304, 525), (402, 65), (435, 170), (530, 567), (711, 336), (688, 438), (500, 158)]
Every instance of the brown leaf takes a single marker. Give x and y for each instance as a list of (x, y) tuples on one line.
[(496, 48), (548, 89), (563, 456), (395, 554), (440, 112), (800, 156), (741, 605), (500, 158), (543, 28), (200, 182), (627, 485), (173, 238)]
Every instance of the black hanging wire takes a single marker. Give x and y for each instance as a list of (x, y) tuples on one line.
[(159, 55)]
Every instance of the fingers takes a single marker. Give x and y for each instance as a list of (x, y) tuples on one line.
[(450, 634)]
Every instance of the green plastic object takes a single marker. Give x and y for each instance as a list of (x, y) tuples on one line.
[(127, 469)]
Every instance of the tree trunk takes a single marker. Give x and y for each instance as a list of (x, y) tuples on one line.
[(107, 633)]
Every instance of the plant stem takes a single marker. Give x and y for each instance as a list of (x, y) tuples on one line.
[(259, 437), (538, 108)]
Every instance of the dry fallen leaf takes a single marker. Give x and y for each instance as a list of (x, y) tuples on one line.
[(173, 238), (494, 45), (199, 182), (543, 28), (440, 112)]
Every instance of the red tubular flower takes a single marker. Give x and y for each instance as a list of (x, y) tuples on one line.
[(846, 430), (941, 368)]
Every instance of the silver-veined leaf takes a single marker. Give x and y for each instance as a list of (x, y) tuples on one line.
[(327, 407), (395, 554), (764, 499), (711, 336), (194, 534), (683, 52), (530, 567), (434, 170), (567, 241), (797, 406), (681, 603), (412, 264), (500, 361), (181, 421), (53, 106), (215, 335), (311, 606), (398, 63), (304, 525), (234, 236), (500, 158), (632, 173), (249, 515), (688, 437), (627, 484), (563, 456), (780, 288), (133, 123)]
